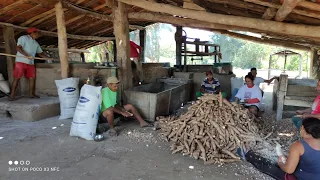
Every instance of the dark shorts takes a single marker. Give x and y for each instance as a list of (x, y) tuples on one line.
[(103, 119), (253, 106)]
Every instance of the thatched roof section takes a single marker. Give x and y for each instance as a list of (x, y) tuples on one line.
[(292, 23)]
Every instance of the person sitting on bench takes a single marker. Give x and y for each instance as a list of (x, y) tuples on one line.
[(314, 111), (210, 85), (109, 107), (303, 161), (250, 95)]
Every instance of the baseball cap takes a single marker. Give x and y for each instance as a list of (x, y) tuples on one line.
[(113, 80), (32, 29), (208, 72)]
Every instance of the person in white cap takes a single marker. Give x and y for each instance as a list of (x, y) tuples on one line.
[(109, 107)]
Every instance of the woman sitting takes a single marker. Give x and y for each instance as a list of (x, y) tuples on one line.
[(303, 162), (250, 95)]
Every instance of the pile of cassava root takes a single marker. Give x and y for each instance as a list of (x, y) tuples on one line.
[(212, 129)]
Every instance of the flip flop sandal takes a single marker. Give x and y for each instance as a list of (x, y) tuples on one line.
[(14, 99), (34, 97), (148, 125)]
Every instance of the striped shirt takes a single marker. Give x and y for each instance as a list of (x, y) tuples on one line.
[(212, 87)]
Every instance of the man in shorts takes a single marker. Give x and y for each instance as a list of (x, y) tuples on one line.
[(109, 107), (27, 48)]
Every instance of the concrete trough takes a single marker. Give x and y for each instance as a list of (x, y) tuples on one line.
[(27, 109), (155, 99)]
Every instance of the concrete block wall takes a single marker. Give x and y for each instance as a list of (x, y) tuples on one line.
[(75, 57), (45, 81), (153, 71)]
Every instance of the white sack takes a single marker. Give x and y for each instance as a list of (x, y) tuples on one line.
[(68, 92), (4, 87), (86, 116), (1, 77)]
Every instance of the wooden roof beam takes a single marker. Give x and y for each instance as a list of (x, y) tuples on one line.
[(309, 5), (86, 12), (263, 41), (269, 13), (277, 6), (264, 25), (286, 8), (40, 16), (54, 34)]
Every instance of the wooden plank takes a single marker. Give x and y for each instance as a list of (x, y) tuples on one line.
[(11, 6), (62, 41), (24, 12), (40, 16), (86, 12), (298, 103), (296, 90), (271, 26), (278, 6), (121, 32)]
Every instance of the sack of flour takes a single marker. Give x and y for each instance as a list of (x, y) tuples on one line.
[(68, 91), (86, 116)]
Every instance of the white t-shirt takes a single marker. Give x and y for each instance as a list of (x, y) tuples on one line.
[(250, 93), (258, 80), (30, 46)]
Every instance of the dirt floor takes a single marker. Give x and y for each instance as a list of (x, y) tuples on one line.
[(136, 154)]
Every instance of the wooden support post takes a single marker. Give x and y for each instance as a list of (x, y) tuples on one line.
[(281, 94), (10, 48), (142, 37), (315, 63), (121, 32), (114, 50), (178, 38), (62, 41)]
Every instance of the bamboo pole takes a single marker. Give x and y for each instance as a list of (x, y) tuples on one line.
[(11, 55), (265, 25)]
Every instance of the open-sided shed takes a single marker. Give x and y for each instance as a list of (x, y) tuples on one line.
[(84, 23)]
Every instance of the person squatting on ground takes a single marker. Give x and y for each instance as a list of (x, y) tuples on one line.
[(314, 111), (210, 85), (109, 107), (250, 95), (27, 48), (303, 161)]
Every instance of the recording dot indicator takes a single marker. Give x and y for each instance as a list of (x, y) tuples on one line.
[(16, 162), (10, 162)]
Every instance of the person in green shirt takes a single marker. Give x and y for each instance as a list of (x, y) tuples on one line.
[(109, 107)]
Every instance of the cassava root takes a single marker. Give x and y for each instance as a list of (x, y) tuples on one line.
[(212, 129)]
